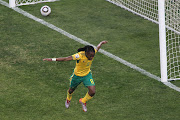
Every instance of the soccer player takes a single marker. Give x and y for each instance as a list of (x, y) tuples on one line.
[(82, 73)]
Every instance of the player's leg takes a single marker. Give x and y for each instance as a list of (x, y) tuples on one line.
[(89, 83), (74, 82), (69, 97), (69, 93), (92, 90), (89, 95)]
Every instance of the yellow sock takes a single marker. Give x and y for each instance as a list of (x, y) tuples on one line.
[(86, 98), (69, 96)]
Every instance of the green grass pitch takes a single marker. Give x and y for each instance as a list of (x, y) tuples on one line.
[(31, 89)]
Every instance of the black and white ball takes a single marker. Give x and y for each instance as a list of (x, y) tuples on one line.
[(45, 10)]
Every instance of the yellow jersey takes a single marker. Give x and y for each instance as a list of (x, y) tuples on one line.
[(83, 65)]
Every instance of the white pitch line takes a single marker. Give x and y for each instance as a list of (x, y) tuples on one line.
[(142, 71)]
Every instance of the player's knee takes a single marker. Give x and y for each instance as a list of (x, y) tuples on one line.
[(71, 90), (92, 92)]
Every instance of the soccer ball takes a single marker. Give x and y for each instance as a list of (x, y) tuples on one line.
[(45, 10)]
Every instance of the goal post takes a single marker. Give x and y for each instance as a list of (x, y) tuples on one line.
[(14, 3), (166, 13), (162, 40)]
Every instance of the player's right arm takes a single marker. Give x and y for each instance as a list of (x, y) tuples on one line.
[(59, 59)]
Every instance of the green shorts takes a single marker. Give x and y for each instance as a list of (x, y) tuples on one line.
[(76, 80)]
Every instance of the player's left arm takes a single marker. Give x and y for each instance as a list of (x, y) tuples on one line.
[(100, 44)]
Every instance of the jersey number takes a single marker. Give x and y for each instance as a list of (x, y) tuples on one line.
[(92, 82)]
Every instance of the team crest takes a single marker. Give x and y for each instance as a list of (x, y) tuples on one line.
[(77, 55)]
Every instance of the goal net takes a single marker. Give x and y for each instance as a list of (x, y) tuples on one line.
[(148, 9), (14, 3)]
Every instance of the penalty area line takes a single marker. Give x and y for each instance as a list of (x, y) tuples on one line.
[(142, 71)]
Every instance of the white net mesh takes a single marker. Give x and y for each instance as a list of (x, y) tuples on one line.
[(27, 2), (144, 8), (148, 9), (173, 15), (173, 55), (173, 38)]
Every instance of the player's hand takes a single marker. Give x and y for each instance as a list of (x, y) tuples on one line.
[(47, 59), (104, 42)]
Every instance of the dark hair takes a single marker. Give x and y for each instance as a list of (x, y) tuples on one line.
[(87, 48)]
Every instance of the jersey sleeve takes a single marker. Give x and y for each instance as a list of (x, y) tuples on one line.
[(76, 56), (95, 50)]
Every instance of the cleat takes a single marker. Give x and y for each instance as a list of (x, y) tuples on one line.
[(67, 103), (83, 105)]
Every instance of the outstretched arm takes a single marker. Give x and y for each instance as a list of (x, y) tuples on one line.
[(101, 43), (59, 59)]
